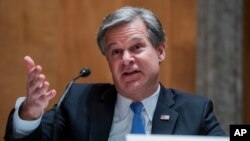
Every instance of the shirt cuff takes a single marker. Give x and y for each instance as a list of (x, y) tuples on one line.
[(22, 128)]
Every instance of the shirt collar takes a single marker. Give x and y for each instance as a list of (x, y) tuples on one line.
[(149, 104)]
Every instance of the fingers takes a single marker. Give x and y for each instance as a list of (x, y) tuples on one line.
[(35, 83), (38, 93), (37, 86), (49, 95), (39, 89), (34, 72), (44, 99), (30, 64), (44, 94)]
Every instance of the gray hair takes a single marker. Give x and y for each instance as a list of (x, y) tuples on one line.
[(155, 30)]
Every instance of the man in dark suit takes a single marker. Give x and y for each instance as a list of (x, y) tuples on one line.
[(133, 42)]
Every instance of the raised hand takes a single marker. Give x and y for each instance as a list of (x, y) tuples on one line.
[(38, 93)]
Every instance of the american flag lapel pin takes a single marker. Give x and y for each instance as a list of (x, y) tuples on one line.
[(165, 117)]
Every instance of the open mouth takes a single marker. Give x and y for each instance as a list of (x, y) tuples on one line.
[(130, 73)]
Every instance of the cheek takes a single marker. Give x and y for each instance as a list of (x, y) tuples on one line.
[(151, 63), (113, 66), (151, 58)]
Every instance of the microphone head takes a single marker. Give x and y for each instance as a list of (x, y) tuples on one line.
[(85, 72)]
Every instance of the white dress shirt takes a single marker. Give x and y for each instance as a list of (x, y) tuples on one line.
[(122, 120), (123, 116), (22, 128)]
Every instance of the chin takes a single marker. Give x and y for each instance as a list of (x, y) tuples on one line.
[(131, 86)]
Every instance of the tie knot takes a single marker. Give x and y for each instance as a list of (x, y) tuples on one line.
[(136, 107)]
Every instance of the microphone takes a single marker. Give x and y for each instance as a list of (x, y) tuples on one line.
[(85, 72)]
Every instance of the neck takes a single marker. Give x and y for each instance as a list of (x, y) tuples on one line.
[(140, 94)]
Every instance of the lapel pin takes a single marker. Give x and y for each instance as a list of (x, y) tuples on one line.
[(165, 117)]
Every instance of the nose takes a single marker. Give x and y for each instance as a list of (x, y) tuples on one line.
[(127, 58)]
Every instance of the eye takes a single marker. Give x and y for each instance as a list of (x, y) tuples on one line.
[(137, 47), (116, 52)]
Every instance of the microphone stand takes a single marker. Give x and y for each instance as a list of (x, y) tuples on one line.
[(83, 73)]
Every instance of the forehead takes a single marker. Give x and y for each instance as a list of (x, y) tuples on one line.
[(125, 31)]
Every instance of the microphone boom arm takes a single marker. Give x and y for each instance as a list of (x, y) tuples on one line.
[(85, 72)]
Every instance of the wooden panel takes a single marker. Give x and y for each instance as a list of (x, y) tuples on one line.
[(180, 63), (61, 36), (26, 27)]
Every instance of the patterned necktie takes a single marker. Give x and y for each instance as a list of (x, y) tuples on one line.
[(137, 126)]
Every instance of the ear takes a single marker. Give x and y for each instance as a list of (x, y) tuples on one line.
[(161, 52)]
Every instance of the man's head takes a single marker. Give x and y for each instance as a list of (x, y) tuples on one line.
[(133, 43), (124, 15)]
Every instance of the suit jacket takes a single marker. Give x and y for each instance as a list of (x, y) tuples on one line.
[(86, 114)]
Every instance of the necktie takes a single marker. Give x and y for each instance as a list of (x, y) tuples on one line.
[(137, 126)]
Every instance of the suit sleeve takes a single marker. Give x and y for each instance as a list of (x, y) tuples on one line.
[(44, 132), (36, 134), (210, 124)]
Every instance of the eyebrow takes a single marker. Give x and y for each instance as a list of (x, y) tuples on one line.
[(109, 46), (133, 39)]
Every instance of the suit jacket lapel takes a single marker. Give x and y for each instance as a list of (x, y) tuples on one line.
[(102, 113), (163, 107)]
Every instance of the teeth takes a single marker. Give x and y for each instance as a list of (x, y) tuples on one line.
[(130, 71)]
